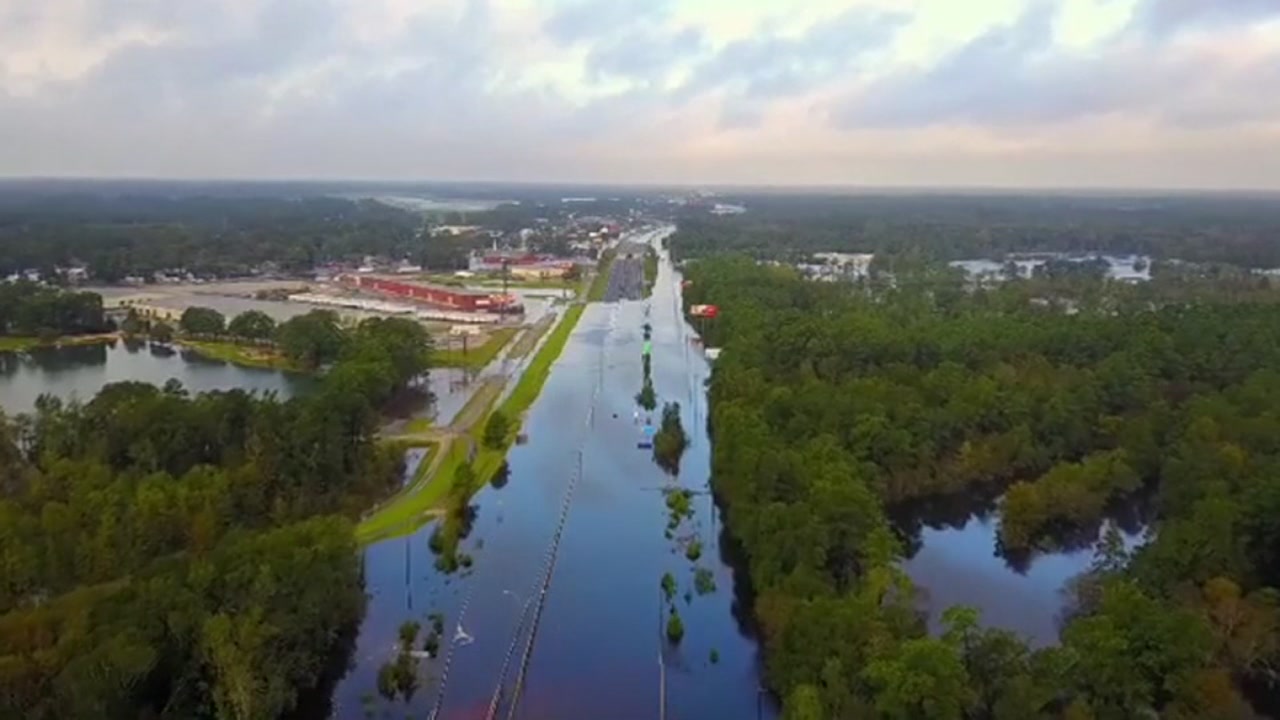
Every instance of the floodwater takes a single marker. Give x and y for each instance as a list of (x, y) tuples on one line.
[(955, 559), (590, 647), (1119, 267), (81, 371)]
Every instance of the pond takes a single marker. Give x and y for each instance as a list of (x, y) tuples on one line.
[(954, 557), (81, 371)]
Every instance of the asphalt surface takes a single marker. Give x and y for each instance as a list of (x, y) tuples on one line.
[(626, 280)]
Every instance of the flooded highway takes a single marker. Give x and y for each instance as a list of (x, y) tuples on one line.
[(560, 615)]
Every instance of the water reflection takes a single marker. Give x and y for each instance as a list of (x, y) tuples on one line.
[(80, 371), (57, 360), (953, 554)]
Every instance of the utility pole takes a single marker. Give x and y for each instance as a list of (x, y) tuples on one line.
[(662, 668), (506, 278)]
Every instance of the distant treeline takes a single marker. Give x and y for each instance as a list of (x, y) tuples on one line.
[(33, 310), (117, 237), (119, 234), (832, 402), (171, 556), (1239, 230)]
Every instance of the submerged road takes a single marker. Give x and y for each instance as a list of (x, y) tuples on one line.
[(560, 606)]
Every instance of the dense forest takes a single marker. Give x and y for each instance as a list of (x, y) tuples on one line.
[(123, 229), (28, 309), (833, 404), (1234, 229), (171, 556), (118, 237)]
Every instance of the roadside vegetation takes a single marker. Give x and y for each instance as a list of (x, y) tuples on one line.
[(671, 440), (650, 270), (834, 402), (600, 284), (445, 491), (418, 425)]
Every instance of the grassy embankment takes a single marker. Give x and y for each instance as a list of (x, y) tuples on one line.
[(421, 500), (238, 354), (601, 282), (475, 357), (14, 344), (11, 343), (417, 426)]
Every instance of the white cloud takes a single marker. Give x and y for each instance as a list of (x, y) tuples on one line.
[(1041, 92)]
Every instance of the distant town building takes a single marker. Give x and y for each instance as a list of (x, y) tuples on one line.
[(454, 229)]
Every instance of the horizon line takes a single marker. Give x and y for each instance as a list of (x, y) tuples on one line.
[(836, 188)]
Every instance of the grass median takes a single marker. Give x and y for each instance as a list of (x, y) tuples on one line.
[(600, 284), (411, 506), (650, 270)]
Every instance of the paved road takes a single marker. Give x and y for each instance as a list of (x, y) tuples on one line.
[(626, 282)]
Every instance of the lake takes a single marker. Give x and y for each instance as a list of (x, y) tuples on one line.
[(81, 371)]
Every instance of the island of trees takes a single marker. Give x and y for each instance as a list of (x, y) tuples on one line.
[(31, 310), (833, 403)]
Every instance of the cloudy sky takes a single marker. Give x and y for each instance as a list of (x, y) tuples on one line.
[(1062, 93)]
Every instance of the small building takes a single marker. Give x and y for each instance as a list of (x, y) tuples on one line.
[(548, 271)]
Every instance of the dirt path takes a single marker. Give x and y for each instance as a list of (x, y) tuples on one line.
[(529, 339)]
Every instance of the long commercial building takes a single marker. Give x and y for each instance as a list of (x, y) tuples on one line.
[(389, 308), (449, 298)]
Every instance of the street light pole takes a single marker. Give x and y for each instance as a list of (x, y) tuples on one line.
[(662, 668)]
